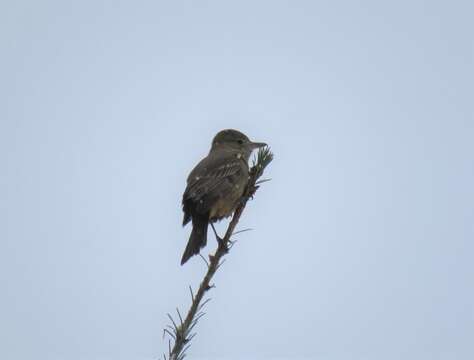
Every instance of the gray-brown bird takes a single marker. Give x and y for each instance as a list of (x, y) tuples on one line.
[(215, 185)]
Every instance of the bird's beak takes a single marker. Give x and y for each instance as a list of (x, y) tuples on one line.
[(256, 145)]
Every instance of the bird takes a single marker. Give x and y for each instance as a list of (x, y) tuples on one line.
[(216, 185)]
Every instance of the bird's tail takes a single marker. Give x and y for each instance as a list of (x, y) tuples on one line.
[(198, 238)]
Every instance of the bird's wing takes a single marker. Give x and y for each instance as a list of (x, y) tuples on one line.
[(209, 174), (207, 182)]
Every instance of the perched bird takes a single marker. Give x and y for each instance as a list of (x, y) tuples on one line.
[(215, 185)]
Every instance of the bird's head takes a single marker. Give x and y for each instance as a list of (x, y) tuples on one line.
[(234, 140)]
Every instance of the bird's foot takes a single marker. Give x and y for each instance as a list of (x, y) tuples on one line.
[(252, 191), (223, 245)]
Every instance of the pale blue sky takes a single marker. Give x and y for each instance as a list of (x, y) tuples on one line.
[(363, 241)]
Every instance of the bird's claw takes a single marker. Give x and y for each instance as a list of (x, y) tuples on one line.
[(222, 245), (252, 191)]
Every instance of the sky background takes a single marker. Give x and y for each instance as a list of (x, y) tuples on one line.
[(362, 245)]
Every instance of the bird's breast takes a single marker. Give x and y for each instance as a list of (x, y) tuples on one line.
[(228, 201)]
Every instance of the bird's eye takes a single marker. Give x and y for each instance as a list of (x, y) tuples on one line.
[(240, 141)]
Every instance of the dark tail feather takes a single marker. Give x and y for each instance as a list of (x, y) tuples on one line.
[(198, 238)]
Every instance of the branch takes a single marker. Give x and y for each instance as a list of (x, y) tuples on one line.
[(180, 332)]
